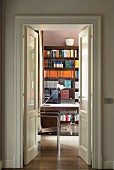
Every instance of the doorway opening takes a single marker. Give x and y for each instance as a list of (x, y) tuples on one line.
[(59, 64), (20, 21)]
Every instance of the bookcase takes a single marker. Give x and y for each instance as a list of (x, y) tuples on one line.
[(61, 66)]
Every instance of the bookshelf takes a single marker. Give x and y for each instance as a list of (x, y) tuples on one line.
[(61, 66)]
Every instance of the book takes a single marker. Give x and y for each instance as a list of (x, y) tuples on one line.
[(76, 54), (53, 53), (67, 53), (52, 73), (76, 84), (61, 53), (64, 94), (76, 63), (71, 53), (76, 95), (47, 93), (57, 53), (45, 53), (55, 95), (49, 53), (67, 84)]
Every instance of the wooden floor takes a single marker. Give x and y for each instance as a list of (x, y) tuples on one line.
[(50, 159)]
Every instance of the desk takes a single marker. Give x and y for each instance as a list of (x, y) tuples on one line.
[(59, 107), (56, 107)]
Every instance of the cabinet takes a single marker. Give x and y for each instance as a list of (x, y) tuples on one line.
[(61, 66)]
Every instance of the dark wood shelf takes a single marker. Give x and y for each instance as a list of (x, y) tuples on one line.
[(59, 58), (56, 78), (76, 58), (51, 68), (61, 47), (76, 79), (55, 88)]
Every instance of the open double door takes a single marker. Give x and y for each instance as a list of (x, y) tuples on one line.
[(31, 95)]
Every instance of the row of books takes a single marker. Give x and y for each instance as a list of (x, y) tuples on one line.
[(58, 73), (60, 53), (48, 93), (53, 84), (64, 94), (50, 84), (59, 64), (48, 63)]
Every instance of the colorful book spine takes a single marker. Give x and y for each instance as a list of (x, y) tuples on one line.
[(67, 83), (55, 94), (61, 53), (71, 53), (64, 94), (76, 63)]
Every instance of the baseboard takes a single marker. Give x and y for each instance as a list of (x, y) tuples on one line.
[(97, 162), (0, 165), (108, 164), (7, 164)]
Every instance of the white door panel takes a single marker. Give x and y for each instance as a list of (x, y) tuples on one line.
[(85, 95), (30, 95)]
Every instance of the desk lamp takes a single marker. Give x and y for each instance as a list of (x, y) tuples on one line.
[(58, 87)]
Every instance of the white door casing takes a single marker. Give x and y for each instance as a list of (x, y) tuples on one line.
[(85, 95), (30, 123), (19, 22)]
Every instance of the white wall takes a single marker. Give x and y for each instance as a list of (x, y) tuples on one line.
[(70, 7)]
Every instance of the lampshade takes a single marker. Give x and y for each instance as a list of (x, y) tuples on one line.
[(60, 86)]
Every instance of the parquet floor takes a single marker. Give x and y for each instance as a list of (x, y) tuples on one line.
[(49, 158)]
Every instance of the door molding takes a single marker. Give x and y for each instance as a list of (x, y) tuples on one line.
[(19, 22), (0, 165)]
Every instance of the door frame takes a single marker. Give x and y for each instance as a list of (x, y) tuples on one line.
[(19, 22)]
